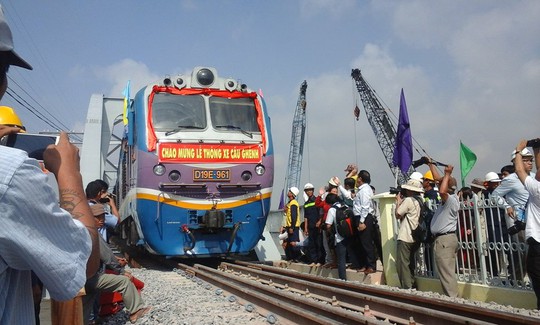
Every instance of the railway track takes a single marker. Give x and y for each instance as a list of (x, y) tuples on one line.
[(299, 298), (285, 296)]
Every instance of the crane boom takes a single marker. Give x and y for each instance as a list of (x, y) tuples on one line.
[(382, 126), (297, 140)]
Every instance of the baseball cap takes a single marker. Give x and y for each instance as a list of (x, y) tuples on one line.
[(7, 54), (97, 209)]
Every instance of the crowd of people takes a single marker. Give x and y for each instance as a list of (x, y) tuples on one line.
[(53, 238), (326, 247), (508, 205)]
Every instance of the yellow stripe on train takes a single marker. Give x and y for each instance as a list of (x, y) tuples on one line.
[(206, 206)]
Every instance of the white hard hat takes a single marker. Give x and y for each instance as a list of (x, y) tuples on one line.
[(417, 176), (524, 153), (492, 177), (294, 190), (309, 186)]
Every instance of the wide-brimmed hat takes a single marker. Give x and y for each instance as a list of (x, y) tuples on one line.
[(413, 185), (478, 183)]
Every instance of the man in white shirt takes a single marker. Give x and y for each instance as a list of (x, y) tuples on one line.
[(532, 230)]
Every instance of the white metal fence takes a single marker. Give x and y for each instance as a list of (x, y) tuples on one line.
[(489, 251)]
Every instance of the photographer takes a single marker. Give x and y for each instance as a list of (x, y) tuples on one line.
[(532, 230), (408, 210), (97, 192)]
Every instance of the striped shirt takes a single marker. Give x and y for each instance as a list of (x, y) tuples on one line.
[(36, 234)]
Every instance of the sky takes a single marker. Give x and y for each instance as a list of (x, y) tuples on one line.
[(470, 70)]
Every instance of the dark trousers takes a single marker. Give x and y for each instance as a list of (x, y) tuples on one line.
[(368, 249), (314, 244), (533, 267), (341, 255), (377, 240)]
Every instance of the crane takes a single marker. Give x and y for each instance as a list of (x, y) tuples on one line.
[(380, 122), (297, 140)]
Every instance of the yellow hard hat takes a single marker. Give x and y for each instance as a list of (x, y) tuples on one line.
[(9, 117), (428, 175)]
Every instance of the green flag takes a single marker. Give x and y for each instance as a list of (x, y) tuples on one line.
[(467, 159)]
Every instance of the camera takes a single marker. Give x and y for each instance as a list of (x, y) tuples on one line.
[(397, 190), (534, 143), (517, 227), (33, 144), (104, 200), (420, 162), (425, 160)]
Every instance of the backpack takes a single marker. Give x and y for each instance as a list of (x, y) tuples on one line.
[(345, 221), (422, 233)]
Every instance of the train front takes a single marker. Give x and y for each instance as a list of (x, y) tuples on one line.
[(204, 166)]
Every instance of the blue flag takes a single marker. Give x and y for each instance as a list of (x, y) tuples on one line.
[(403, 152)]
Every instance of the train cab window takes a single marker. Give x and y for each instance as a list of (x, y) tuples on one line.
[(233, 114), (173, 112)]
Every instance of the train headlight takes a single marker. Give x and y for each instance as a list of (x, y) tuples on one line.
[(205, 77), (174, 176), (159, 169), (259, 169), (246, 176)]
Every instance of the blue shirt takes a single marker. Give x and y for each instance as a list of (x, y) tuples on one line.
[(36, 234)]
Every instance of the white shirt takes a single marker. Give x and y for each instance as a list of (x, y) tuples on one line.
[(532, 229), (36, 234), (362, 205), (330, 217)]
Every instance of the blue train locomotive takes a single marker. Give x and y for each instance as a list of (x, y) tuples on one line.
[(196, 167)]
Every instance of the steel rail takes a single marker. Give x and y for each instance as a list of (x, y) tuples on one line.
[(463, 311), (386, 308), (288, 305)]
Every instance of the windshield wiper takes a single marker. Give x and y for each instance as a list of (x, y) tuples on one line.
[(234, 127), (183, 127)]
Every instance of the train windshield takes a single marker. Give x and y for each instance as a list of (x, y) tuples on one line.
[(172, 112), (234, 114)]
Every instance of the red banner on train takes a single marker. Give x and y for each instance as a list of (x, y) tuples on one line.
[(219, 153)]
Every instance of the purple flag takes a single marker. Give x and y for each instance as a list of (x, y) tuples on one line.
[(281, 201), (403, 150)]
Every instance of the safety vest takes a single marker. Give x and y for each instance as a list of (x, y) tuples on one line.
[(290, 205)]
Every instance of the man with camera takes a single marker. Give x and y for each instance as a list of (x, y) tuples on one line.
[(516, 197), (97, 192), (57, 241), (532, 212)]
